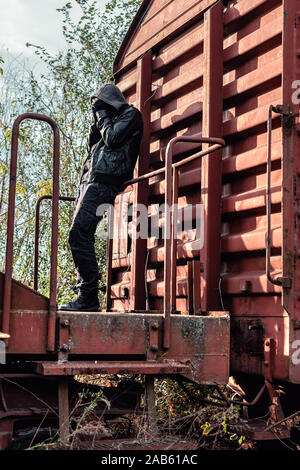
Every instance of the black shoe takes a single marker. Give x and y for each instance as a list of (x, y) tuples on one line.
[(81, 304)]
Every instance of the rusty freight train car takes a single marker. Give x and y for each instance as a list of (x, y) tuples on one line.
[(216, 82), (221, 70)]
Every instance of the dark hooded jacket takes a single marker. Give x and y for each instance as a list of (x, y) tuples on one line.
[(114, 139)]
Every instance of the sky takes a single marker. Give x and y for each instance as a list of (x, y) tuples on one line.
[(34, 21)]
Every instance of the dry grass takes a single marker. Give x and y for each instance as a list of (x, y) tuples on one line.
[(180, 413)]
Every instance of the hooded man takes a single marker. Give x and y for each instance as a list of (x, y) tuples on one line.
[(113, 146)]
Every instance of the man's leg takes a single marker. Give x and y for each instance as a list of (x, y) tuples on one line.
[(82, 240)]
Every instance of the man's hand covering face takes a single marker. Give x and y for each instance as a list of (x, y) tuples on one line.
[(99, 104)]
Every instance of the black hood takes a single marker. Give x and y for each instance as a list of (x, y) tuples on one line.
[(111, 95)]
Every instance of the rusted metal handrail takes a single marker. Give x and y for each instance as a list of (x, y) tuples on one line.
[(219, 143), (268, 197), (170, 245), (176, 166), (11, 220), (196, 139), (36, 235), (145, 176), (279, 281)]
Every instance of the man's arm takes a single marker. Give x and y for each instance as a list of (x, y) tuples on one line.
[(93, 137), (114, 133)]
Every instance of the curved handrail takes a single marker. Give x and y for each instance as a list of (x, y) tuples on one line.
[(170, 246), (280, 280), (11, 220), (36, 233), (268, 197)]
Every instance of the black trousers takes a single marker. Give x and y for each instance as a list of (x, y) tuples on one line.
[(82, 234)]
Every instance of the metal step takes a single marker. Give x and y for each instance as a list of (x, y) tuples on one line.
[(111, 367)]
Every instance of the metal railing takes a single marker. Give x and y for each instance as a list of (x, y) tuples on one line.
[(280, 280), (11, 222), (37, 234), (171, 197)]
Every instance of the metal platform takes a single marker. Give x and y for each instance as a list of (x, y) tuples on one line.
[(199, 342), (199, 345)]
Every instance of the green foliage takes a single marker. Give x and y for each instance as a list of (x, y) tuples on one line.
[(80, 415), (95, 398), (185, 411), (62, 92)]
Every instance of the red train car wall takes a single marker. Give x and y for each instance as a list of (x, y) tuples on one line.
[(214, 67)]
